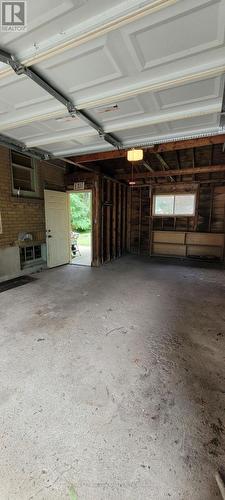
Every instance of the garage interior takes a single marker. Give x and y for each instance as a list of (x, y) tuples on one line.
[(112, 375)]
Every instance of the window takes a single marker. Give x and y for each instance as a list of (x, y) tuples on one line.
[(174, 205), (29, 255), (23, 175)]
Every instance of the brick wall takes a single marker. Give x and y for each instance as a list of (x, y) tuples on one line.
[(24, 214)]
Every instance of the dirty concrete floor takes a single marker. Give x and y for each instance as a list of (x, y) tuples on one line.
[(112, 383)]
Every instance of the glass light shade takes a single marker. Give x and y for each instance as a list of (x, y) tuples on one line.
[(135, 154)]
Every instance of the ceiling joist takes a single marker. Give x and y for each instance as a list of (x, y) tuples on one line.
[(169, 173), (169, 146), (163, 163)]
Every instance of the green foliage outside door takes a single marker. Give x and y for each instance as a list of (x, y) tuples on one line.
[(80, 211)]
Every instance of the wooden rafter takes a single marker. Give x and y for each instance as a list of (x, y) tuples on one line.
[(79, 165), (169, 173), (160, 148), (190, 143), (163, 163), (146, 165)]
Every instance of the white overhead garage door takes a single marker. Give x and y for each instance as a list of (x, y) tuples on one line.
[(145, 72)]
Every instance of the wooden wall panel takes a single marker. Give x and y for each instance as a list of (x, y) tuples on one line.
[(119, 218), (169, 249), (135, 220), (114, 220), (124, 218), (209, 218), (218, 209), (144, 221), (169, 237)]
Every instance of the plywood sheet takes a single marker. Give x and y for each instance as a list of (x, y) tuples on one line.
[(210, 239), (169, 249), (168, 237), (206, 251)]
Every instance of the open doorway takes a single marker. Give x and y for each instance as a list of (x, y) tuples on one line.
[(81, 227)]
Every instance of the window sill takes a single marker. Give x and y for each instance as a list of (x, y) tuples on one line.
[(173, 216), (25, 199)]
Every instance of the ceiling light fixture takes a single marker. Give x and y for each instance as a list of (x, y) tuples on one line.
[(135, 155)]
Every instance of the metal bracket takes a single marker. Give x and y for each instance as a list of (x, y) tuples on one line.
[(20, 69)]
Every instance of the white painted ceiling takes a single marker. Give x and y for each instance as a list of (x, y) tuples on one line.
[(146, 71)]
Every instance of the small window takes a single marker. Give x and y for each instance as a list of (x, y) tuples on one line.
[(23, 175), (174, 205)]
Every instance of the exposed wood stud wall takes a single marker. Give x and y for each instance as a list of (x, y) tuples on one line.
[(114, 220), (110, 221), (126, 220), (209, 218), (119, 221), (114, 224), (124, 207)]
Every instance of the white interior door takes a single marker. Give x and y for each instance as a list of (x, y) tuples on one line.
[(57, 228)]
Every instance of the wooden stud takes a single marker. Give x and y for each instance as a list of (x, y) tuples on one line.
[(97, 223), (102, 220), (129, 202), (124, 204), (197, 208), (119, 221), (150, 220), (114, 220), (107, 222), (211, 206), (140, 214)]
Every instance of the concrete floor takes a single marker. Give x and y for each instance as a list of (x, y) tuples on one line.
[(85, 258), (113, 383)]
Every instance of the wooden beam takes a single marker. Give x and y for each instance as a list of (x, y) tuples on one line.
[(77, 164), (161, 160), (97, 203), (107, 220), (102, 155), (114, 214), (124, 204), (179, 184), (146, 165), (168, 173), (189, 143), (159, 148), (82, 176), (193, 157), (119, 214), (163, 163)]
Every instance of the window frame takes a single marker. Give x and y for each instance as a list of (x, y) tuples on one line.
[(174, 195), (34, 182)]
